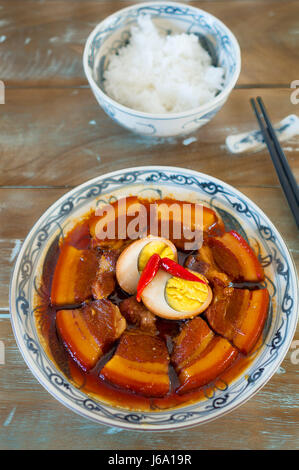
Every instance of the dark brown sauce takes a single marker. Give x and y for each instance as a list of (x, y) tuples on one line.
[(91, 382)]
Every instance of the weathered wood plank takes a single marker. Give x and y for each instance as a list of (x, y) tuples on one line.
[(62, 137), (42, 42), (30, 418), (8, 252), (20, 208)]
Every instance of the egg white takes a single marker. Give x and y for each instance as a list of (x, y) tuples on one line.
[(127, 273), (154, 298)]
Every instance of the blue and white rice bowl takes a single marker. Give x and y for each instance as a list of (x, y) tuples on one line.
[(114, 32)]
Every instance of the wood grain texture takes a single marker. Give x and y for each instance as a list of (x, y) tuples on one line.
[(62, 137), (42, 42)]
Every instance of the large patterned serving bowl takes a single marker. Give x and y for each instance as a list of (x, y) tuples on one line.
[(113, 32), (238, 212)]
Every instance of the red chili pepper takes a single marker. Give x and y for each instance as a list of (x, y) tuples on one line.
[(177, 270), (148, 274)]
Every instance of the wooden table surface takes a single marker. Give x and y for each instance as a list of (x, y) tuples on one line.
[(54, 136)]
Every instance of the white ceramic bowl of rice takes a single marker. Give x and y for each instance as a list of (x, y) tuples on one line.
[(161, 68)]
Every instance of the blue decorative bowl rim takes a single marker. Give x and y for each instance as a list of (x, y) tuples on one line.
[(216, 101), (222, 401)]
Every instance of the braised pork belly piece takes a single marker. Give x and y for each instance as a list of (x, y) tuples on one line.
[(166, 210), (88, 332), (239, 315), (82, 274), (74, 272), (199, 356), (204, 263), (140, 364), (211, 222), (124, 211), (236, 258), (104, 283), (227, 258), (137, 314)]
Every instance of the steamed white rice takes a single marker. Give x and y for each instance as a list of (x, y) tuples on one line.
[(160, 73)]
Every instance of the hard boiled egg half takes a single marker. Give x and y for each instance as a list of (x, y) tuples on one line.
[(175, 298), (133, 259)]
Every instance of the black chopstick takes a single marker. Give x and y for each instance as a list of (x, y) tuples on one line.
[(284, 173), (279, 150)]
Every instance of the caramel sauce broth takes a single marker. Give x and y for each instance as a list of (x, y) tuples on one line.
[(91, 382)]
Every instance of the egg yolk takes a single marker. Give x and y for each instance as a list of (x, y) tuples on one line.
[(151, 248), (186, 296)]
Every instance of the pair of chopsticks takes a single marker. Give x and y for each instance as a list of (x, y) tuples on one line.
[(283, 170)]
